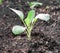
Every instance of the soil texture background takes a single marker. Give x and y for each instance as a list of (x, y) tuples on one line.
[(45, 37)]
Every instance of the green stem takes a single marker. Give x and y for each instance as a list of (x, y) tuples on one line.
[(29, 33), (29, 29)]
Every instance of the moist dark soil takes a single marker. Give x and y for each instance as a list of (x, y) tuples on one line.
[(45, 37)]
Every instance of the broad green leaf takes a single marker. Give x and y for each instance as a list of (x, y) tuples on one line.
[(30, 17), (18, 29), (44, 17), (19, 13), (33, 4)]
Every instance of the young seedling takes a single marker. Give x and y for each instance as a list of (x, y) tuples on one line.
[(28, 22), (33, 4)]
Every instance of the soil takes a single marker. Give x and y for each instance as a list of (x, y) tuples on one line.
[(45, 37)]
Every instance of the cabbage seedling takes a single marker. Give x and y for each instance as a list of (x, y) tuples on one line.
[(28, 22)]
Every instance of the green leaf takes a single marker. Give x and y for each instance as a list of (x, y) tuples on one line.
[(1, 1), (19, 13), (33, 4), (34, 20), (30, 17), (18, 29), (44, 17)]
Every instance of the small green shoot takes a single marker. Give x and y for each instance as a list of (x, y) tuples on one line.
[(33, 4), (28, 22)]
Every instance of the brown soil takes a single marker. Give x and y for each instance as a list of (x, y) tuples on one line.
[(45, 37)]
